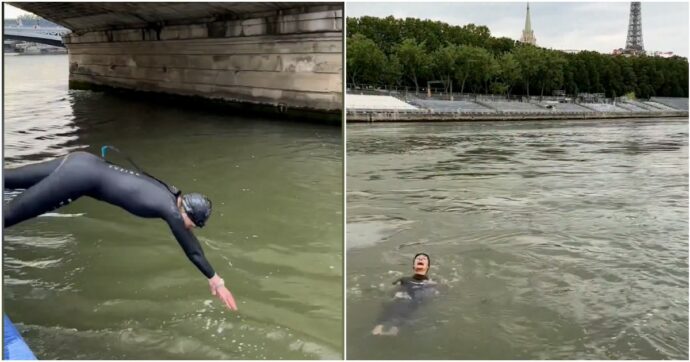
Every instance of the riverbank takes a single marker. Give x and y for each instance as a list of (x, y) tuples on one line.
[(389, 108), (397, 116)]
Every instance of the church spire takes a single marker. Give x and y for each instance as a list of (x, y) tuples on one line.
[(527, 33)]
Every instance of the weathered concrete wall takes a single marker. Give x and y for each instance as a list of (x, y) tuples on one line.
[(288, 59)]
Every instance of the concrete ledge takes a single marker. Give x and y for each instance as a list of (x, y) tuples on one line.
[(217, 104), (381, 116), (309, 101), (289, 81)]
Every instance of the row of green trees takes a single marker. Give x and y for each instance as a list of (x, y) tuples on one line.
[(31, 20), (396, 53)]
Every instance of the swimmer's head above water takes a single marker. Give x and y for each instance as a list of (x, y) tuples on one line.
[(413, 290), (196, 209), (421, 264)]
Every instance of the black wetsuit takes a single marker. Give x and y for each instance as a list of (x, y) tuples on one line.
[(411, 293), (53, 184)]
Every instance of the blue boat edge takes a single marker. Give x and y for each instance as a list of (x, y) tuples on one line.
[(13, 345)]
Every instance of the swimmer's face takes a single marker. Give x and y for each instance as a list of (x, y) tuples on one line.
[(188, 223), (421, 264)]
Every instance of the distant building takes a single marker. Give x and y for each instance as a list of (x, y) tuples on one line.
[(660, 54), (657, 53), (527, 33)]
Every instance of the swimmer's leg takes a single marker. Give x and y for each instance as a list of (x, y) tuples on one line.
[(381, 330), (377, 330), (394, 315), (26, 176), (54, 191), (392, 331)]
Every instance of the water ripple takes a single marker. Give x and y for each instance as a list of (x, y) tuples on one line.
[(554, 240)]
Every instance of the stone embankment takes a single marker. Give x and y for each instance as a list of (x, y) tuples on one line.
[(377, 108)]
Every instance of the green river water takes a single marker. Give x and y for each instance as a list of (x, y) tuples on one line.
[(549, 239), (92, 281)]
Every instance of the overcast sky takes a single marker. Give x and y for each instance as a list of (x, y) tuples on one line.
[(575, 25), (10, 12)]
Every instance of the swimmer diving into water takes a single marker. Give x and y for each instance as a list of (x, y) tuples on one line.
[(408, 297), (52, 184)]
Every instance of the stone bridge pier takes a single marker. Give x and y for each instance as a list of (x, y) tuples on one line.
[(280, 56)]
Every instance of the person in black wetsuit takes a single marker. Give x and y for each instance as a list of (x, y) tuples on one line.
[(52, 184), (409, 296)]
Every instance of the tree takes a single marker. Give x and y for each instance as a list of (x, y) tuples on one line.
[(530, 61), (500, 46), (392, 72), (413, 59), (628, 76), (365, 62), (509, 71), (484, 69), (463, 66), (29, 18), (475, 66), (470, 56), (444, 60), (549, 75)]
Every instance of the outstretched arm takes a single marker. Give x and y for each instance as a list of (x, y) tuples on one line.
[(192, 249)]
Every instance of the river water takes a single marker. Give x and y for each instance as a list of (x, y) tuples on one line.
[(549, 240), (95, 282)]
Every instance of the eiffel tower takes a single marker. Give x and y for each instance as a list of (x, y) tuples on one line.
[(634, 45)]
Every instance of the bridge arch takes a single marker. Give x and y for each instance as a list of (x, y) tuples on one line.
[(48, 36), (33, 39)]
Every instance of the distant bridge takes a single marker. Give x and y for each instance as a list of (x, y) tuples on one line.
[(48, 36)]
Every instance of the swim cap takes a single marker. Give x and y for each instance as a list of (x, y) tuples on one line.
[(197, 207)]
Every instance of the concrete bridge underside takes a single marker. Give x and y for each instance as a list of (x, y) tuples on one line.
[(283, 55)]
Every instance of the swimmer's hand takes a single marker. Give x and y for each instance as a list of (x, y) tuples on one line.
[(218, 288)]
